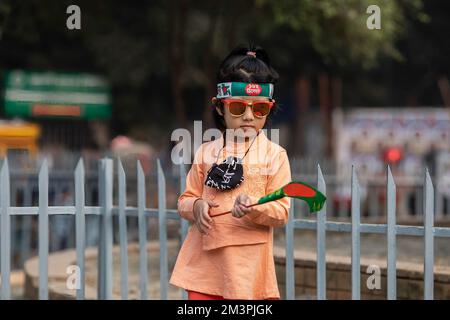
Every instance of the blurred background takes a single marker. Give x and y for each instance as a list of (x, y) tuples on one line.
[(137, 70)]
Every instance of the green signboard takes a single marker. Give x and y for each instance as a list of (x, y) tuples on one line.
[(55, 95)]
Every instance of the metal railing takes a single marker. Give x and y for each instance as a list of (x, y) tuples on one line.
[(106, 210), (391, 230)]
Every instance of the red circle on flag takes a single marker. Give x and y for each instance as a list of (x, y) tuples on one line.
[(298, 190)]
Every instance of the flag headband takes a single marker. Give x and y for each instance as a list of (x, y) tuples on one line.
[(235, 89)]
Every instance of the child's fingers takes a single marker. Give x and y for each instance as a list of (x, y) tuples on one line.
[(207, 217), (238, 211), (205, 220), (201, 223), (234, 213), (244, 209), (199, 226), (241, 198), (204, 227), (244, 200), (212, 203)]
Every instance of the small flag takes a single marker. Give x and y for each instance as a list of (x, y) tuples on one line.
[(295, 189), (299, 190)]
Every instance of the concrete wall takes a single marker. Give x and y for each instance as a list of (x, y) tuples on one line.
[(409, 278)]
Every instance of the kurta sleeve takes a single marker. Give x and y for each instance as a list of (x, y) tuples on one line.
[(274, 213), (194, 187)]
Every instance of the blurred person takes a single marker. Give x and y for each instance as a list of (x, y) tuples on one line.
[(63, 225)]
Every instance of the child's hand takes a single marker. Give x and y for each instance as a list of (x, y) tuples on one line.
[(239, 208), (201, 215)]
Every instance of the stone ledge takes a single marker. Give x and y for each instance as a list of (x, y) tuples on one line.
[(59, 261), (409, 276)]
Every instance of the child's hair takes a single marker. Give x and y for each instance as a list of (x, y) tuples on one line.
[(239, 66)]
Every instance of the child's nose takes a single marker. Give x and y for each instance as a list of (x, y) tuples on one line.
[(248, 115)]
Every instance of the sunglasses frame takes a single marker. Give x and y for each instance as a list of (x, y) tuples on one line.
[(227, 102)]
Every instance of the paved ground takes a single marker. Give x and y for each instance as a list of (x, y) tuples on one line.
[(409, 249), (17, 284)]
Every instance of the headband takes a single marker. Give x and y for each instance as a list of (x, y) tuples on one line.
[(234, 89)]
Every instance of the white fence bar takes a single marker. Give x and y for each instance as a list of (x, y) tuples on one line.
[(321, 241), (5, 232), (105, 266), (391, 193), (101, 274), (25, 244), (372, 228), (13, 224), (123, 232), (428, 209), (142, 221), (52, 210), (289, 231), (43, 231), (80, 226), (356, 243), (109, 166), (163, 265)]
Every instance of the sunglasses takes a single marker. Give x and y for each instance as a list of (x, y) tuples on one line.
[(237, 107)]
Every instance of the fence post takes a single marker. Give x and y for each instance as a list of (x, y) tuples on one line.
[(143, 269), (356, 263), (80, 226), (290, 272), (391, 194), (162, 232), (5, 232), (428, 208), (321, 241), (123, 232), (105, 266), (27, 220), (13, 220), (43, 231)]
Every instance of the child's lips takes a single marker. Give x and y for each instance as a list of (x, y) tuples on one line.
[(247, 127)]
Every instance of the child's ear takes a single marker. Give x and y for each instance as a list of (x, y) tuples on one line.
[(214, 101), (219, 111)]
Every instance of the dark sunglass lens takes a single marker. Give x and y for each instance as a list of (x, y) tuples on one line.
[(261, 109), (237, 108)]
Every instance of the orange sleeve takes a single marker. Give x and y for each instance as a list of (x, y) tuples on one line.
[(274, 213), (194, 188)]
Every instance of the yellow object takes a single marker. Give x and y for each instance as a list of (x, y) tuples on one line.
[(23, 136)]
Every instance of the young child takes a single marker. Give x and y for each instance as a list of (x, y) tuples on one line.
[(231, 256)]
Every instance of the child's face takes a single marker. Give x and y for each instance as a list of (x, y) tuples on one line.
[(248, 124)]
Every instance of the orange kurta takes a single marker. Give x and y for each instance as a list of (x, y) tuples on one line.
[(235, 260)]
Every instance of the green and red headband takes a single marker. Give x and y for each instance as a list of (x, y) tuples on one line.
[(235, 89)]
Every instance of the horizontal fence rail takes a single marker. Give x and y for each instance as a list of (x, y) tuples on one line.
[(106, 210), (24, 187)]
